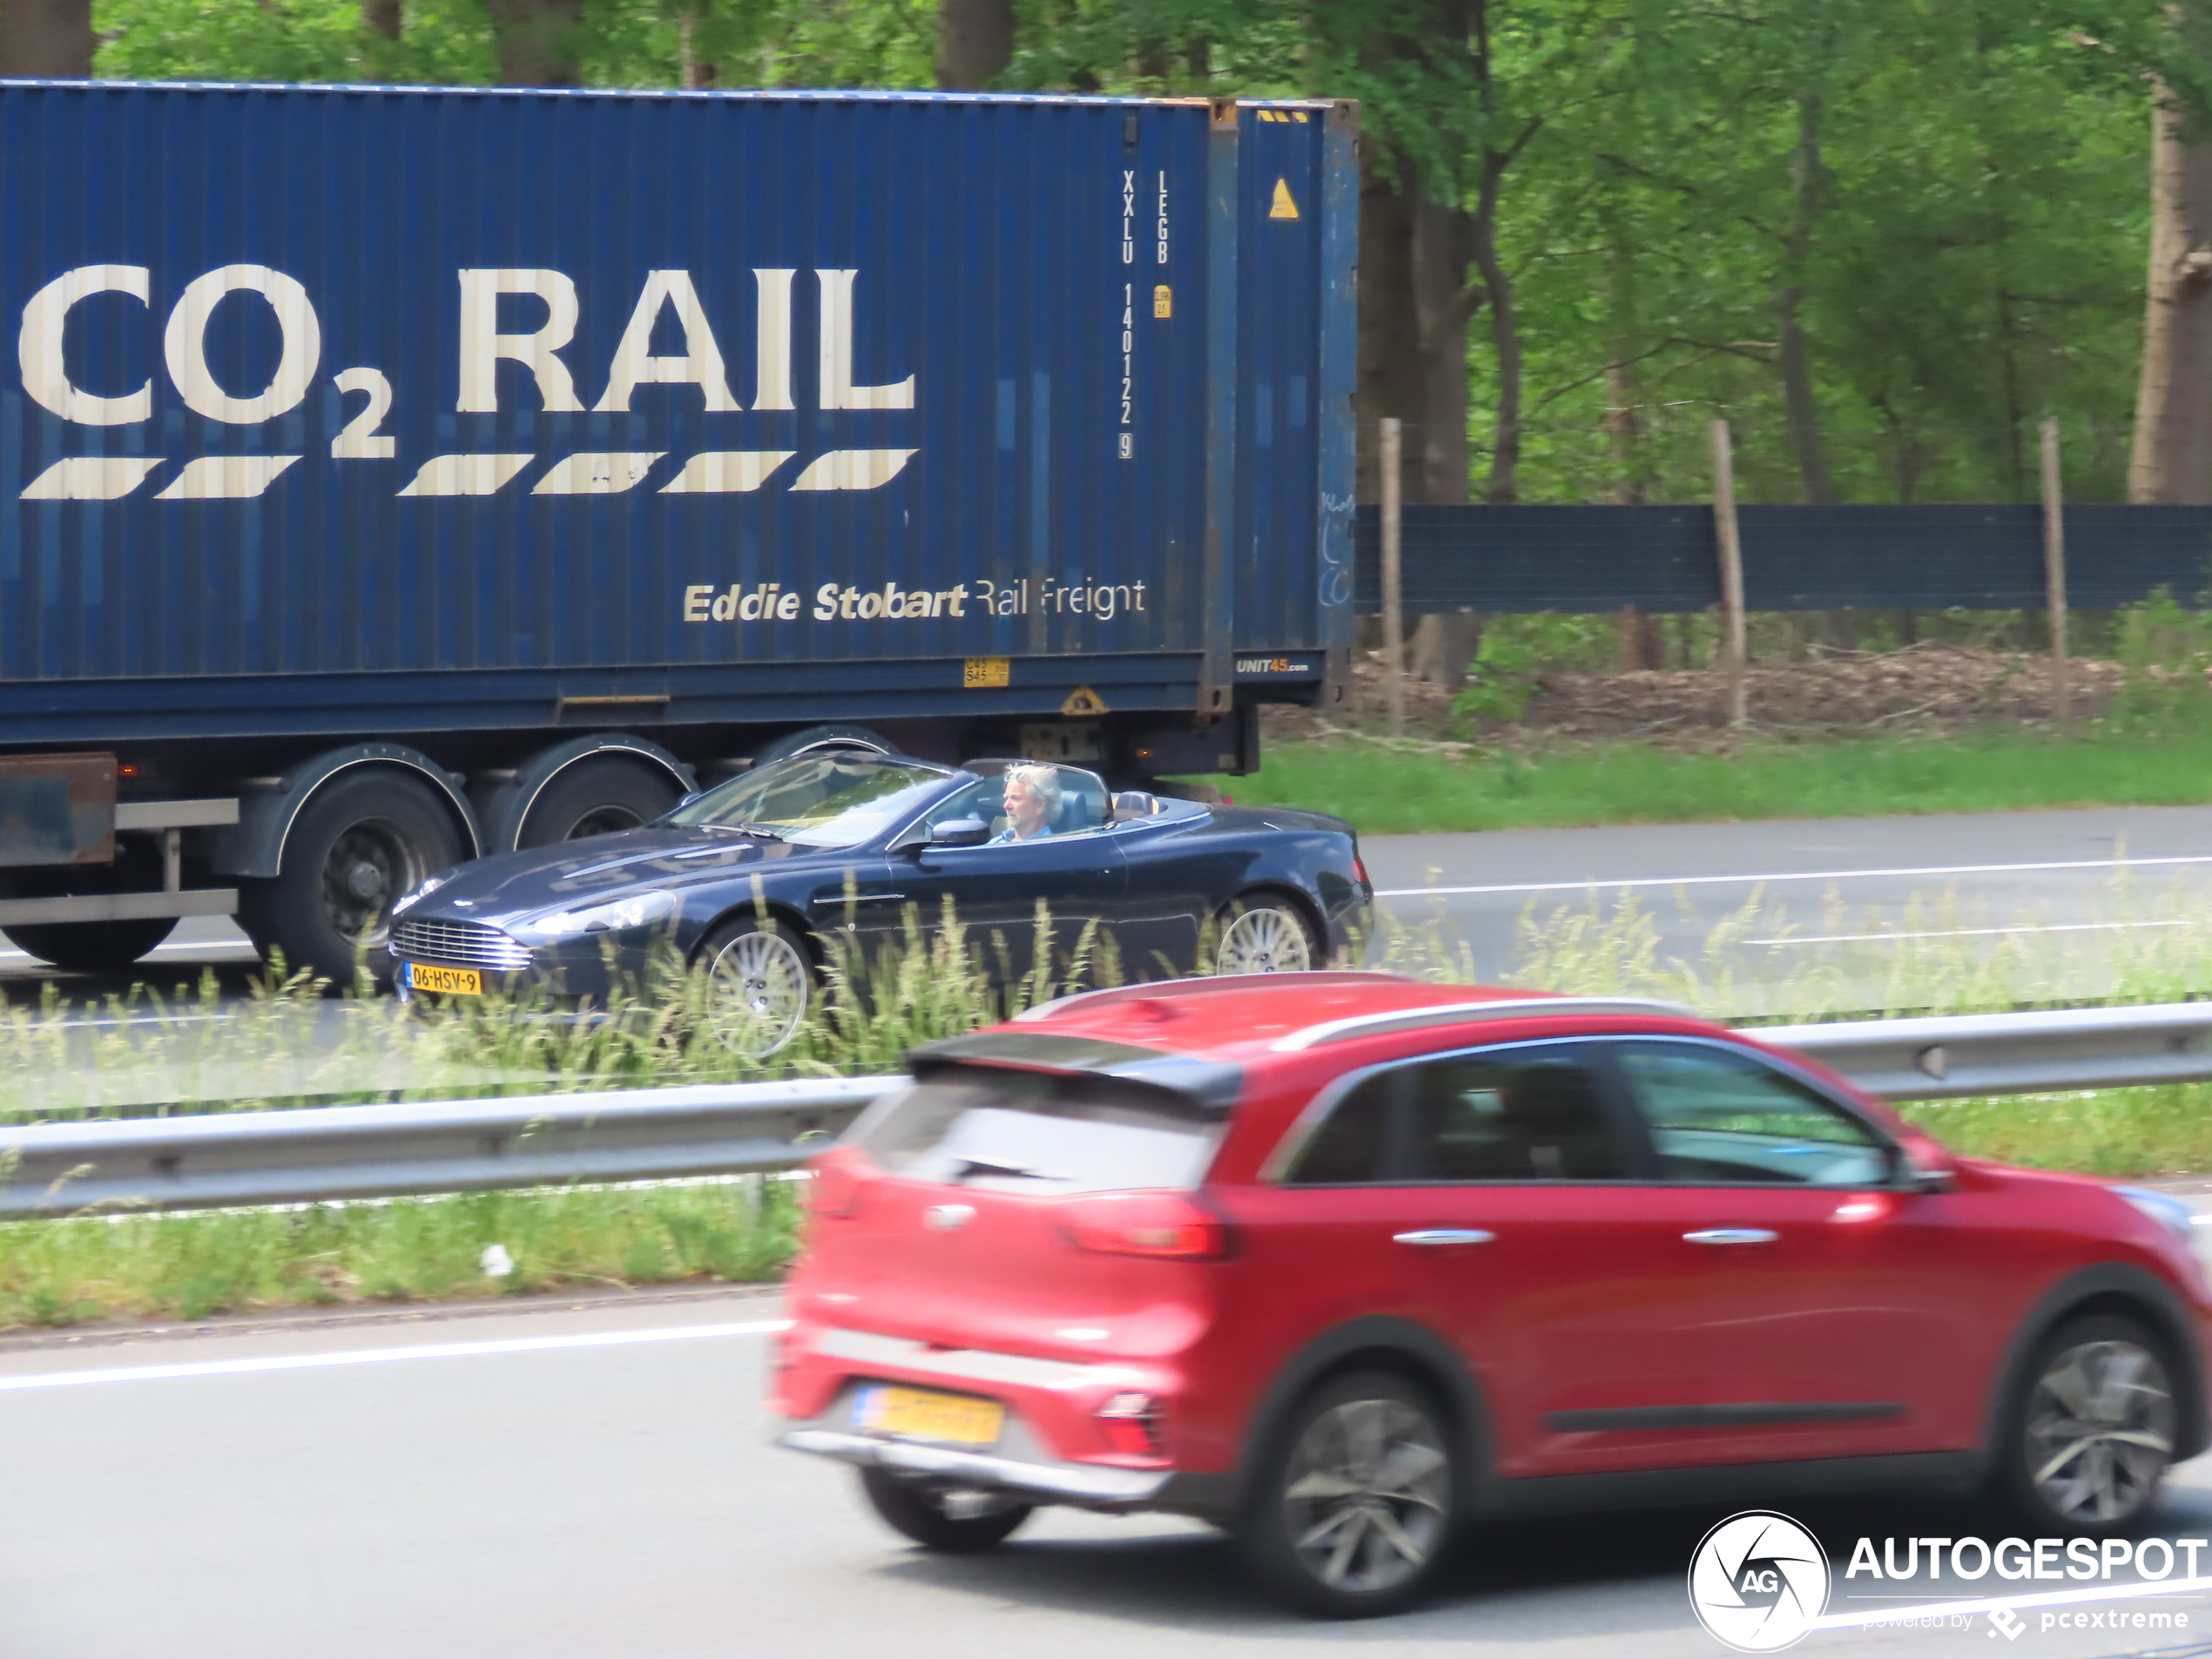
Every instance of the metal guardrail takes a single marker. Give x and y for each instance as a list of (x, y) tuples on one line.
[(647, 1134), (434, 1146), (1956, 1056)]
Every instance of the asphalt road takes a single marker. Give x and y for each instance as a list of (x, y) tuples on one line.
[(2073, 889), (558, 1484)]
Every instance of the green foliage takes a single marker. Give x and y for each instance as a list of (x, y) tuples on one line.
[(2167, 651), (1517, 651)]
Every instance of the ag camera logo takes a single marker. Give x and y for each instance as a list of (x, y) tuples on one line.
[(1758, 1581)]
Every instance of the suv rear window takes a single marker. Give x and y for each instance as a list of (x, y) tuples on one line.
[(1049, 1133)]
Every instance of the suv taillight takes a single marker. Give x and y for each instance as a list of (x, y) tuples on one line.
[(1145, 1223), (836, 1181), (1134, 1425)]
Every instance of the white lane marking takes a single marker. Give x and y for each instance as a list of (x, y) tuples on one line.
[(148, 1019), (1991, 1604), (1786, 875), (385, 1356), (1966, 932), (158, 950)]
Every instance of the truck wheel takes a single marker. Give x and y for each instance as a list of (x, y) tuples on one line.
[(1351, 1512), (948, 1520), (91, 947), (598, 796), (836, 735), (362, 845)]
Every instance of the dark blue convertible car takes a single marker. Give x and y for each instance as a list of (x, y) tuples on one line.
[(759, 879)]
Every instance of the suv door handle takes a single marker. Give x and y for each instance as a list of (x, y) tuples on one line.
[(1731, 1236), (1444, 1236)]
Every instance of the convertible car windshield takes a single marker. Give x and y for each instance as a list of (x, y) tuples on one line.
[(836, 798)]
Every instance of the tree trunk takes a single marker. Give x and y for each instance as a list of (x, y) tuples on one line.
[(1792, 356), (381, 18), (1413, 309), (2172, 460), (538, 43), (1635, 633), (46, 40), (975, 42)]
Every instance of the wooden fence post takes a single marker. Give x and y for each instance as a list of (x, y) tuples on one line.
[(1732, 548), (1393, 591), (2054, 575)]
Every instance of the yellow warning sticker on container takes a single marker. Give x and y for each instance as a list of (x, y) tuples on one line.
[(1163, 301), (985, 673), (1284, 207), (1083, 701)]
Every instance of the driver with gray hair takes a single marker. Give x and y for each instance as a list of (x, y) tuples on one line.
[(1032, 797)]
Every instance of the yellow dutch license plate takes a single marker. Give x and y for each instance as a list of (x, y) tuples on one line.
[(452, 981), (933, 1416)]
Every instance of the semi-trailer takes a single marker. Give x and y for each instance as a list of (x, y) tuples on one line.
[(392, 476)]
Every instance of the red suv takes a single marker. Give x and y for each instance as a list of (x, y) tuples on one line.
[(1340, 1261)]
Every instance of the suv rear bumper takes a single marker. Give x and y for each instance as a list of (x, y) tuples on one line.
[(1089, 1484)]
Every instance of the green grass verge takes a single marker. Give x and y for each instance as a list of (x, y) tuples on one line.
[(1397, 792), (2136, 1132), (188, 1266)]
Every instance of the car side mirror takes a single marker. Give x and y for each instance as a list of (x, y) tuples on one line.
[(1925, 1167), (961, 832)]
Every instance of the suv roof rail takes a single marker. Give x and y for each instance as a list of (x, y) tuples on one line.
[(1518, 1008), (1203, 983)]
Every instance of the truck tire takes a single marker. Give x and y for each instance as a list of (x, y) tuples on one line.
[(90, 946), (836, 735), (364, 842), (602, 796)]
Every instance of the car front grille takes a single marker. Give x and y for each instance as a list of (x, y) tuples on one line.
[(469, 943)]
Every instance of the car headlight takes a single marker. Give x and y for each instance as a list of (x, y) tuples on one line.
[(615, 915), (422, 892), (2172, 1214)]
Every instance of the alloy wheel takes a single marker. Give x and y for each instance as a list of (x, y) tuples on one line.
[(1266, 940), (1365, 1502), (2100, 1430), (768, 982)]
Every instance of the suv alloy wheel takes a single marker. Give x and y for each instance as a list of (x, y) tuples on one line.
[(2091, 1432), (1349, 1516)]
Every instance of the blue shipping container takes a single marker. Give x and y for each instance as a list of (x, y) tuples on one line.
[(345, 381)]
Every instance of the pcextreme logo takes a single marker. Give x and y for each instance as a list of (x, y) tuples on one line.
[(1758, 1581)]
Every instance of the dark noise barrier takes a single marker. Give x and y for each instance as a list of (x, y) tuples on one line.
[(1661, 559)]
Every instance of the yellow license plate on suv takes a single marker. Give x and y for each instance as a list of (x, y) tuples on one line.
[(452, 981), (919, 1411)]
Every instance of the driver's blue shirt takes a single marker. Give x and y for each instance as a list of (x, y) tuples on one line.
[(1007, 837)]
